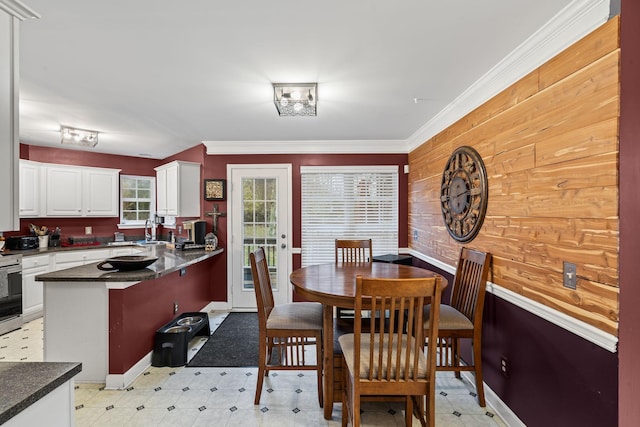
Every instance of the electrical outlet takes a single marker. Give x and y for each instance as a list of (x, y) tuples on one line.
[(175, 307), (569, 278), (415, 235), (504, 366), (88, 230)]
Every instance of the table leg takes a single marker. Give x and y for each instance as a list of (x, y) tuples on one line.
[(327, 333)]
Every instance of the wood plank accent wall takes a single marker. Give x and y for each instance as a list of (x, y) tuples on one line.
[(550, 147)]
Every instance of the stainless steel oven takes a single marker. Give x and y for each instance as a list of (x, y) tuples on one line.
[(10, 293)]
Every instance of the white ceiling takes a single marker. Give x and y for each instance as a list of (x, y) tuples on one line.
[(156, 77)]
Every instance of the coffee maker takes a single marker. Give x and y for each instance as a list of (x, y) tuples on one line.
[(196, 230)]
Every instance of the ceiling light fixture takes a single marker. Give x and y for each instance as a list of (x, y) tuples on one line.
[(295, 99), (82, 137)]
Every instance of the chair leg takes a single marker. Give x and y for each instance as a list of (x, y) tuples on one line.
[(408, 411), (455, 356), (320, 367), (262, 361), (477, 364)]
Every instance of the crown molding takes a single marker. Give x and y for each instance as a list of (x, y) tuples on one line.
[(307, 147), (18, 9), (575, 21)]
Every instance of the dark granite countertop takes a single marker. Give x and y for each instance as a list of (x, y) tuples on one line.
[(79, 247), (169, 260), (24, 383)]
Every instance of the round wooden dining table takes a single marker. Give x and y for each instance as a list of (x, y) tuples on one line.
[(334, 285)]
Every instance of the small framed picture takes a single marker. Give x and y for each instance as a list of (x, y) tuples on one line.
[(215, 189)]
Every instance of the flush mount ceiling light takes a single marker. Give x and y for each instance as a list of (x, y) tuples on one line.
[(295, 99), (82, 137)]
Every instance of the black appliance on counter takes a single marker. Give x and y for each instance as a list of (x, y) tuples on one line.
[(10, 293), (21, 242)]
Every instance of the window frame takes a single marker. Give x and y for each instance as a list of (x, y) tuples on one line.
[(124, 223)]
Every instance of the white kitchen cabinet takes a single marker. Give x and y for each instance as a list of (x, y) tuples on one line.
[(63, 193), (9, 149), (32, 266), (57, 190), (100, 192), (30, 189), (70, 259), (178, 189)]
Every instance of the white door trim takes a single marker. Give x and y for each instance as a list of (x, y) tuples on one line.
[(231, 216)]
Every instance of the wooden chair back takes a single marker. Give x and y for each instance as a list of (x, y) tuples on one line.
[(262, 284), (353, 250), (389, 359), (469, 284)]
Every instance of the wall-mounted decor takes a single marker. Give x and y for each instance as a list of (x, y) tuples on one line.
[(215, 189), (463, 194)]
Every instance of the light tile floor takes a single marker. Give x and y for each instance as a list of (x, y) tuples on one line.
[(224, 396)]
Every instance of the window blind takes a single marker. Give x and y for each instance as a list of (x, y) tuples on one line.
[(348, 203)]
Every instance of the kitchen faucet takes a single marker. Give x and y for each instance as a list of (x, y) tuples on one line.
[(147, 235)]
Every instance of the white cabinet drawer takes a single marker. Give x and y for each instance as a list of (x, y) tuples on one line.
[(82, 256), (35, 261)]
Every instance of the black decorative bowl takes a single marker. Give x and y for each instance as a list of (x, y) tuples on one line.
[(127, 262)]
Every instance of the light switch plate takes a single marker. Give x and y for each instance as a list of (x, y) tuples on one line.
[(569, 275)]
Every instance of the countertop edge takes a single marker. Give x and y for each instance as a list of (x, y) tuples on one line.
[(64, 372), (90, 273)]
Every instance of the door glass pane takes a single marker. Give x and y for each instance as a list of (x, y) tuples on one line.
[(259, 225)]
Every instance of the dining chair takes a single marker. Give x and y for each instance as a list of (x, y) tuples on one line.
[(284, 329), (354, 250), (462, 317), (388, 361)]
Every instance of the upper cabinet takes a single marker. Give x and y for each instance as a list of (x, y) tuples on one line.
[(178, 189), (100, 191), (30, 194), (48, 190), (63, 192)]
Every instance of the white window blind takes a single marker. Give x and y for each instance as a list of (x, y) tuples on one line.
[(348, 203)]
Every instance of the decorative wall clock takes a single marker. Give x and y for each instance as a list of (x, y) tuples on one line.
[(463, 194)]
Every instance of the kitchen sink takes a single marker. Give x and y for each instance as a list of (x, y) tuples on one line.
[(151, 242)]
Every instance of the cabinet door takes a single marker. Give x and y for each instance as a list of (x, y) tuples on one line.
[(101, 192), (32, 300), (64, 191), (29, 189), (172, 195), (161, 191)]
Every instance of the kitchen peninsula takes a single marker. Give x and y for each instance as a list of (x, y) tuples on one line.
[(107, 319)]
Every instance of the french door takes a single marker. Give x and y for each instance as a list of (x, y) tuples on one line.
[(260, 217)]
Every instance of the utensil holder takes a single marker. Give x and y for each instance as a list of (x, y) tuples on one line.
[(43, 241)]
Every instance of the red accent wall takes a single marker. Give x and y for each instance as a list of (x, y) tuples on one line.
[(102, 227), (629, 341), (137, 312), (215, 166)]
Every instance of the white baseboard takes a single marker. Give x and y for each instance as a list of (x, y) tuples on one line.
[(122, 381), (495, 403)]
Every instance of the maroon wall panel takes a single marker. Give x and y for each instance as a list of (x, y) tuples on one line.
[(135, 313), (556, 378), (629, 340)]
